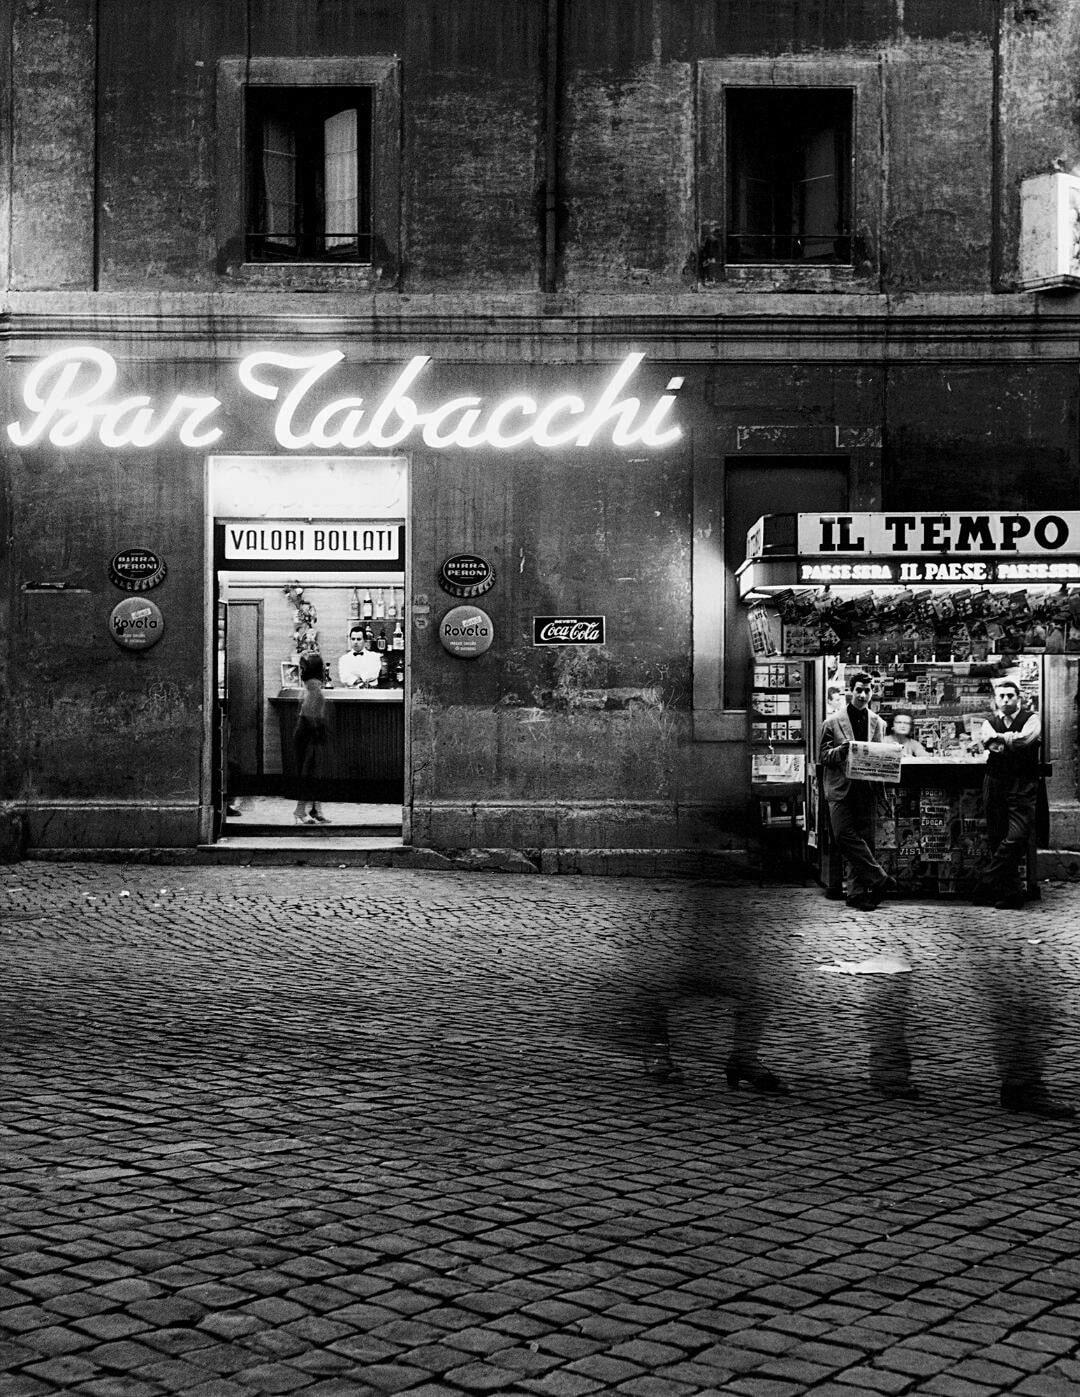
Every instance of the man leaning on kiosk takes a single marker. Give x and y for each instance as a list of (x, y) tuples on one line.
[(851, 802), (1011, 737)]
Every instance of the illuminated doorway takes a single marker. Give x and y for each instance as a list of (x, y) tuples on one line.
[(308, 556)]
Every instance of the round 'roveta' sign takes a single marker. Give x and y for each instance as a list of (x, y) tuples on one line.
[(136, 624), (136, 570), (466, 575), (466, 631)]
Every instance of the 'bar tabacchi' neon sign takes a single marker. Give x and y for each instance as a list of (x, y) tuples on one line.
[(70, 394)]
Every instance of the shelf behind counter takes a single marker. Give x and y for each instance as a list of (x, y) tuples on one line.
[(364, 758)]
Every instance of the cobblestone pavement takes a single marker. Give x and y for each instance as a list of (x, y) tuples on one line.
[(362, 1131)]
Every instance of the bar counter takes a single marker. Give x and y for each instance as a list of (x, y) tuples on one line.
[(364, 758)]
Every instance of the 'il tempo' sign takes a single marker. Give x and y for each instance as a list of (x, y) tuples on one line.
[(963, 536), (70, 399)]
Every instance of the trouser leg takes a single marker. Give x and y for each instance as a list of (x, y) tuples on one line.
[(1010, 819), (852, 824)]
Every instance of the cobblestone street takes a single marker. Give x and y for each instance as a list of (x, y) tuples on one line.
[(345, 1131)]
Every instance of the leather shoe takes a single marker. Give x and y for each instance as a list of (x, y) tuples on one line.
[(756, 1075), (862, 902), (1011, 902)]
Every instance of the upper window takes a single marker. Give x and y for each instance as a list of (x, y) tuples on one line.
[(789, 175), (309, 174)]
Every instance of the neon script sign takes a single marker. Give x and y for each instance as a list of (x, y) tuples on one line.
[(71, 397)]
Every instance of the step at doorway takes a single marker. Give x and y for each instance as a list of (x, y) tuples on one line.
[(261, 815)]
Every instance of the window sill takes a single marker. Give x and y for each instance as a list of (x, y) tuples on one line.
[(783, 276), (308, 276)]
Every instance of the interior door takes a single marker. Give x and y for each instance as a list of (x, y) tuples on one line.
[(244, 680), (759, 485), (219, 770)]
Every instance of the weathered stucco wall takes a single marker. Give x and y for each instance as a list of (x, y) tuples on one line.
[(598, 533), (83, 719), (937, 166), (50, 155), (627, 179), (1040, 96), (981, 437), (474, 123)]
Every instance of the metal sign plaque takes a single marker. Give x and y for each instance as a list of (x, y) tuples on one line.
[(136, 624), (466, 631), (466, 575), (568, 630), (136, 570)]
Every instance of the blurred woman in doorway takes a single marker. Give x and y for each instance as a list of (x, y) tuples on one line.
[(309, 739)]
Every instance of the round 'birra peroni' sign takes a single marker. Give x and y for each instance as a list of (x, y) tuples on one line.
[(136, 624), (466, 575), (466, 632), (136, 570)]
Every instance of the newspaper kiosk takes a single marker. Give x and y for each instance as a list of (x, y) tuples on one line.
[(934, 608)]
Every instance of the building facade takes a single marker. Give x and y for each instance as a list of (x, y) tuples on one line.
[(593, 285)]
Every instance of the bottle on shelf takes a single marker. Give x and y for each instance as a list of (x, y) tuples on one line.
[(366, 606), (398, 642), (380, 605), (355, 609), (399, 670), (369, 635), (380, 643)]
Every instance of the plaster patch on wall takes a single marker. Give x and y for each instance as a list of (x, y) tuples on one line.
[(101, 743)]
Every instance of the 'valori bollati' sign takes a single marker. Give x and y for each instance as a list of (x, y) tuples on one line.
[(71, 398), (293, 540)]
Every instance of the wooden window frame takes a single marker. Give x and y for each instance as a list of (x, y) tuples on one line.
[(236, 78), (862, 77)]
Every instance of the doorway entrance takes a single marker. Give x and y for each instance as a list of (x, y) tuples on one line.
[(320, 598)]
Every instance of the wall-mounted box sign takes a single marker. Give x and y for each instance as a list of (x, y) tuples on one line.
[(1049, 217), (568, 630), (466, 631), (136, 624), (466, 575), (316, 544), (137, 570)]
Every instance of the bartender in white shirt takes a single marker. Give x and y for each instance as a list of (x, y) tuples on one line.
[(359, 667)]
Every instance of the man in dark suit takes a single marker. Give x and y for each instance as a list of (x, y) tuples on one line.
[(852, 802)]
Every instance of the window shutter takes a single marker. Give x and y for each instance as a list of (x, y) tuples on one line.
[(279, 179), (342, 184)]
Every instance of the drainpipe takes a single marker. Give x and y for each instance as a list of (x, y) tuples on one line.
[(997, 269), (552, 86)]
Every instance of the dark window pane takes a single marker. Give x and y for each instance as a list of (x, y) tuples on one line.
[(308, 174), (789, 175)]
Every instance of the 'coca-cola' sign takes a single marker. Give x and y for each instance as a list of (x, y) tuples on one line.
[(568, 630)]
